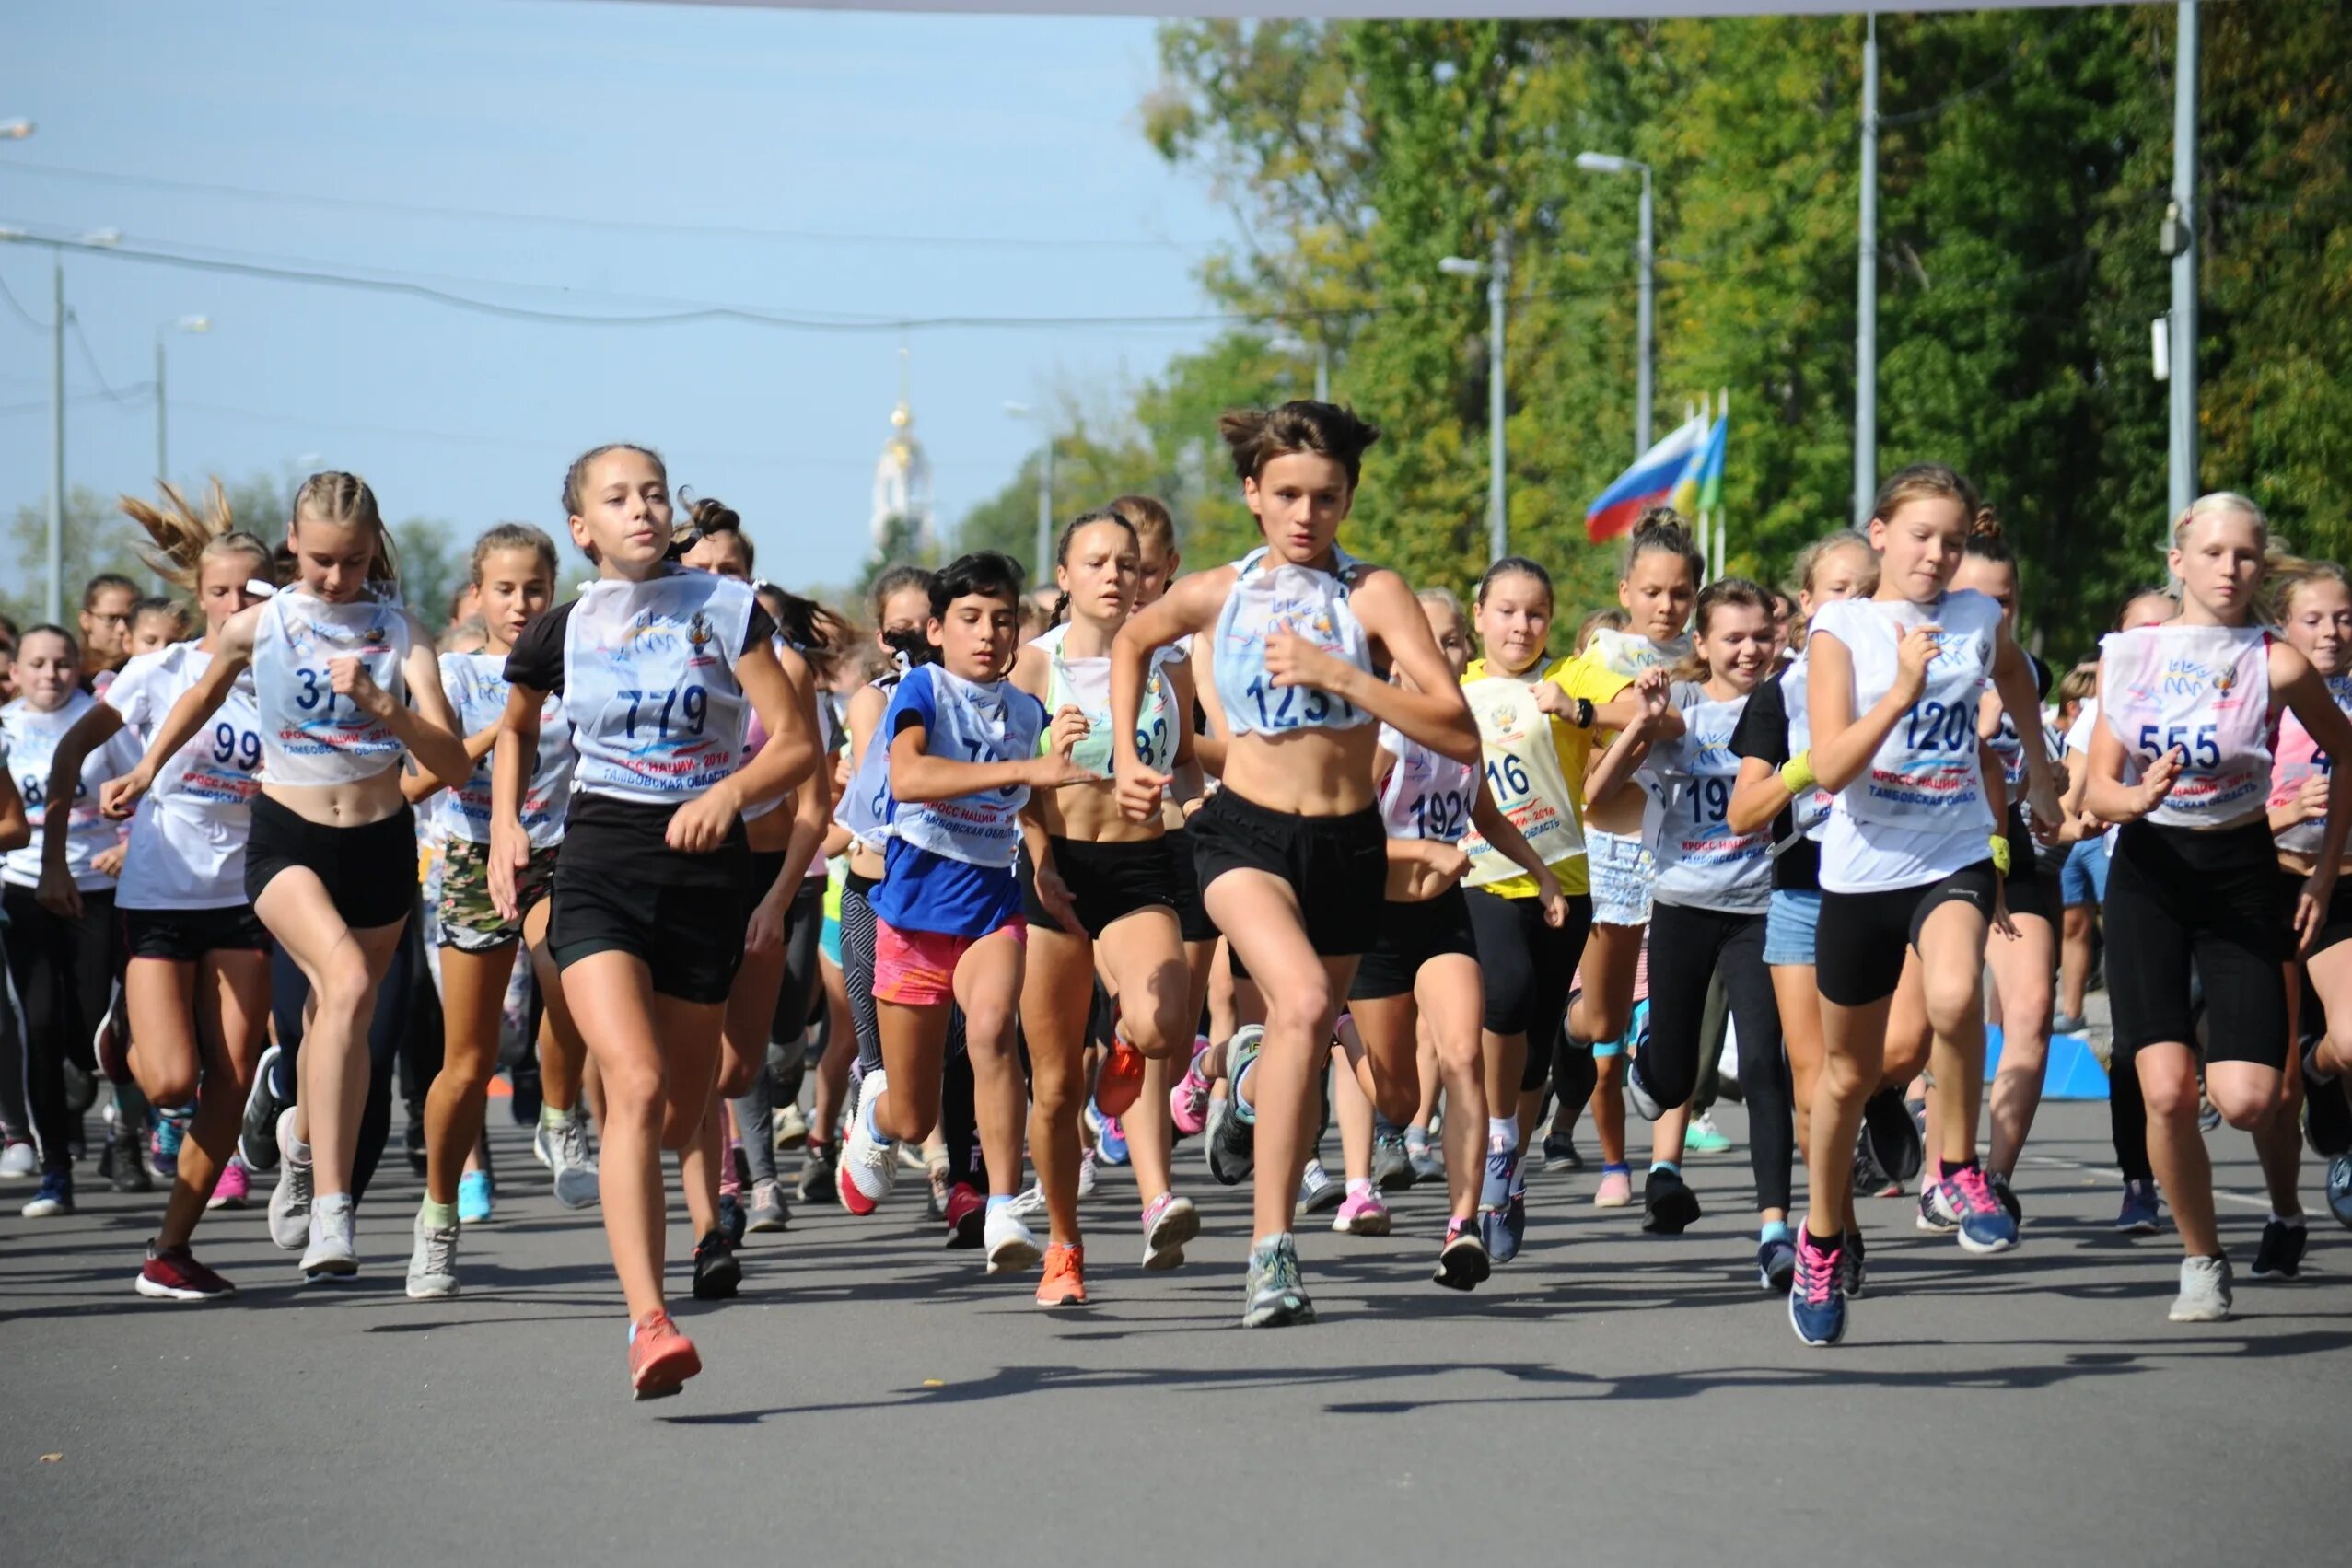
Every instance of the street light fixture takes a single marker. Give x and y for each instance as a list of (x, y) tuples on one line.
[(1498, 274), (1610, 163), (162, 403), (1041, 569)]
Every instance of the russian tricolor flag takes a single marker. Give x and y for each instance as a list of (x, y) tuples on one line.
[(1650, 483)]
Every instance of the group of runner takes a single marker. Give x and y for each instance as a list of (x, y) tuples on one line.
[(1227, 855)]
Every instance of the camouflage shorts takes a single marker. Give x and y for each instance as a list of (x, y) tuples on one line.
[(470, 921)]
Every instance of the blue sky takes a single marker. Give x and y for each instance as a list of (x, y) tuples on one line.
[(916, 137)]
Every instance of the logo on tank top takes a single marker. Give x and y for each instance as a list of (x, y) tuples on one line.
[(699, 637)]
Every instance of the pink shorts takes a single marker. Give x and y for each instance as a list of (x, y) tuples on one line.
[(917, 969)]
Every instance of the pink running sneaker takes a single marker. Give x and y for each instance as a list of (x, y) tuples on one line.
[(1188, 1101), (233, 1190), (1361, 1213)]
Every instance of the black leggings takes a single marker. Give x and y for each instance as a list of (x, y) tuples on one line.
[(1528, 967), (1688, 947), (64, 972), (390, 1036), (778, 1080), (959, 1119)]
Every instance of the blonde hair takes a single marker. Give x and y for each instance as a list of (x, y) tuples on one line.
[(1612, 617), (2221, 504), (181, 538), (344, 501), (1149, 516), (1925, 482), (1807, 564), (1452, 602), (2286, 576)]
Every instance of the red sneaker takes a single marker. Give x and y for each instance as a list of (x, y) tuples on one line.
[(1120, 1080), (660, 1358), (967, 1217), (173, 1274)]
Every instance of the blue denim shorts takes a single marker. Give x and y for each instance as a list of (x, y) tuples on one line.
[(1789, 925), (2083, 878)]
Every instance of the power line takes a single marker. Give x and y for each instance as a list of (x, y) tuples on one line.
[(566, 220), (90, 359), (29, 319)]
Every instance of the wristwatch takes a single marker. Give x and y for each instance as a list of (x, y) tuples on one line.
[(1584, 713)]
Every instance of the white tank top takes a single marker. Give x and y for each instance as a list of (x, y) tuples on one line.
[(29, 738), (1627, 654), (1427, 794), (2206, 691), (2299, 758), (1522, 767), (997, 723), (650, 684), (1926, 775), (865, 807), (309, 735), (1085, 684), (188, 835), (1701, 861), (476, 685), (1301, 599)]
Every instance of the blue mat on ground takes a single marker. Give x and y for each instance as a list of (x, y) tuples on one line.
[(2073, 1072)]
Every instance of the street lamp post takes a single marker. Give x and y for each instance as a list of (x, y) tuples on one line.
[(1498, 274), (53, 599), (162, 403), (1646, 254)]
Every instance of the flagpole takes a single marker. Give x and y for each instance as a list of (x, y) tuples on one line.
[(1723, 412)]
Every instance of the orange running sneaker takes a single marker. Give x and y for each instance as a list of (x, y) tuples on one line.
[(1120, 1080), (1065, 1283), (660, 1358)]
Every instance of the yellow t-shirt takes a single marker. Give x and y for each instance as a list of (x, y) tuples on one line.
[(1573, 746)]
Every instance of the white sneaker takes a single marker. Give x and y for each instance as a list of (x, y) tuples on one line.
[(1085, 1174), (1317, 1191), (433, 1266), (568, 1157), (1031, 1204), (331, 1254), (869, 1165), (791, 1127), (2205, 1291), (18, 1163), (290, 1201), (1011, 1245)]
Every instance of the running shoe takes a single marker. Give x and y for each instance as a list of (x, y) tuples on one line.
[(1775, 1264), (791, 1127), (910, 1158), (163, 1145), (1816, 1295), (766, 1211), (2006, 1199), (2209, 1121), (1029, 1203), (936, 1207), (1638, 1093), (869, 1164), (1110, 1137), (1392, 1169), (1085, 1174), (965, 1211), (1935, 1219), (820, 1170), (2339, 1190), (433, 1264), (660, 1358), (1892, 1132), (475, 1198), (1704, 1137), (257, 1138), (2280, 1256), (1854, 1269), (290, 1202), (2140, 1214), (1012, 1247), (234, 1189), (127, 1161), (1271, 1296), (1188, 1102), (1428, 1164), (331, 1254), (1169, 1223), (1616, 1189), (2205, 1291), (1668, 1204), (1317, 1191), (19, 1162), (730, 1218), (1984, 1226), (172, 1273), (1362, 1213), (718, 1273), (1064, 1280), (2327, 1115), (1502, 1204), (1463, 1262), (2067, 1024), (1560, 1153), (1231, 1145), (539, 1148), (54, 1197), (1120, 1078), (569, 1159)]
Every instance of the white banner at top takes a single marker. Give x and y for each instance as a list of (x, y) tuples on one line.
[(1398, 10)]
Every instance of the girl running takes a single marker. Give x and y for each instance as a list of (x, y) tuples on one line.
[(62, 959), (331, 861), (513, 574), (2315, 609), (960, 753), (1291, 853), (1708, 922), (1421, 970), (1909, 862), (1115, 876), (197, 985), (2191, 706), (658, 667), (1536, 723)]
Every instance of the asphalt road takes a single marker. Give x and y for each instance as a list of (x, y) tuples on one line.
[(1610, 1398)]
